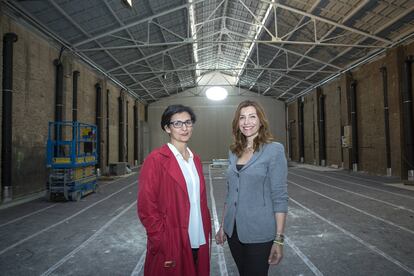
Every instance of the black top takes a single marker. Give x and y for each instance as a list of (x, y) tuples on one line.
[(239, 166)]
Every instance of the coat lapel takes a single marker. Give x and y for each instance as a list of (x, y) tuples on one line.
[(172, 167), (199, 168)]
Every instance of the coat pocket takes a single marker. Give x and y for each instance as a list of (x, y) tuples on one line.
[(171, 249)]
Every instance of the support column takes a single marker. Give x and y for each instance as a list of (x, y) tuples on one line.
[(322, 144), (7, 127), (354, 125), (386, 119), (107, 127), (407, 103), (75, 96), (136, 151), (301, 131), (98, 121), (121, 128)]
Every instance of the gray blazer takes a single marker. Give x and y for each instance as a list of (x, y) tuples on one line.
[(256, 193)]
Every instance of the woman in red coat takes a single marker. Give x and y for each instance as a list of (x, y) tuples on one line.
[(172, 202)]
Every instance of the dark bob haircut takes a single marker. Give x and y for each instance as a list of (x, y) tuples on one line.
[(174, 109)]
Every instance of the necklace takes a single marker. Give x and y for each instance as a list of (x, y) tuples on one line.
[(249, 148)]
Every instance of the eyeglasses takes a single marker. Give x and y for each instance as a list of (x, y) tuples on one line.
[(179, 124)]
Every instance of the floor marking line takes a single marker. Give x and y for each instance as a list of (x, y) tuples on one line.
[(304, 258), (365, 186), (361, 195), (370, 246), (85, 243), (361, 178), (138, 268), (62, 221), (221, 260), (27, 215), (356, 209)]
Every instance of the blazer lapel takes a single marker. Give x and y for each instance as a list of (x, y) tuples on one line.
[(233, 161), (172, 167), (256, 155)]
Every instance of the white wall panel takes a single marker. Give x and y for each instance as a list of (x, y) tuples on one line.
[(212, 131)]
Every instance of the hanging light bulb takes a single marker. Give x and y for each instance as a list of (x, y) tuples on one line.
[(128, 3)]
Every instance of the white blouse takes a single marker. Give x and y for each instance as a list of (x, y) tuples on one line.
[(192, 179)]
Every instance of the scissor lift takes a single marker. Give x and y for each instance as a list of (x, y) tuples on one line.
[(71, 158)]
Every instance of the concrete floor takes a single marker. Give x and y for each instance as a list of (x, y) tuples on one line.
[(339, 224)]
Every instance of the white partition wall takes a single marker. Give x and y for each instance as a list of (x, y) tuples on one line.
[(212, 131)]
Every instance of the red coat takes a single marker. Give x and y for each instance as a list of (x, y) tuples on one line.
[(164, 210)]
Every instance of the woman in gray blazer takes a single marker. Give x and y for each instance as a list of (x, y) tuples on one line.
[(256, 203)]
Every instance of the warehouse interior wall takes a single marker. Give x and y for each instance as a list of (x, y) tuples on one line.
[(370, 117), (34, 104), (212, 132)]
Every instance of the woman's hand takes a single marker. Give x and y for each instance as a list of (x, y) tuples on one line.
[(220, 236), (276, 254)]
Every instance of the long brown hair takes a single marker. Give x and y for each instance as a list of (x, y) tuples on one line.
[(239, 140)]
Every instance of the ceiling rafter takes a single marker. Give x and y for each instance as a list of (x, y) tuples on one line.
[(172, 61), (256, 36), (362, 4), (62, 12), (191, 21), (191, 67), (200, 25), (134, 23), (349, 15), (158, 75), (290, 34), (222, 28), (234, 41), (280, 49), (144, 58), (348, 50), (328, 21), (130, 35)]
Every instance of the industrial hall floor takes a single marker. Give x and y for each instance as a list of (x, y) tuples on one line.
[(339, 223)]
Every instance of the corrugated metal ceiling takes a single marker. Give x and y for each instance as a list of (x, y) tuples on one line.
[(280, 49)]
